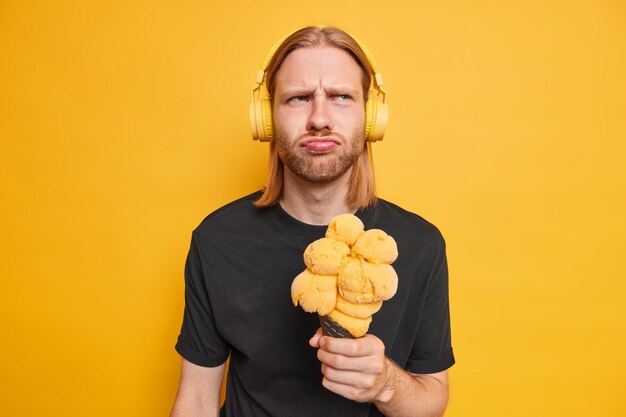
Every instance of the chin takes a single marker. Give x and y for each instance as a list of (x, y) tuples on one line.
[(322, 176)]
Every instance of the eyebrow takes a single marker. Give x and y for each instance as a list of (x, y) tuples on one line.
[(301, 90)]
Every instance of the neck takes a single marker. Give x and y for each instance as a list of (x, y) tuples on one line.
[(314, 203)]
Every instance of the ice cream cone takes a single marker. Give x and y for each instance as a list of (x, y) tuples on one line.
[(347, 277), (333, 329)]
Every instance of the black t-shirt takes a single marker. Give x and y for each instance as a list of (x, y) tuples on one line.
[(238, 278)]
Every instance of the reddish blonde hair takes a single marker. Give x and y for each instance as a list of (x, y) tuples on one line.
[(362, 186)]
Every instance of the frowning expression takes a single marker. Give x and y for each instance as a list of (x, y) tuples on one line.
[(319, 113)]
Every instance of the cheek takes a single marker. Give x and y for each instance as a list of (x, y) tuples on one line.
[(361, 122), (286, 120), (355, 115)]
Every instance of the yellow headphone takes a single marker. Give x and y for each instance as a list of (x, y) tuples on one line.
[(376, 111)]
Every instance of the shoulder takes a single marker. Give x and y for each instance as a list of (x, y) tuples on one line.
[(236, 214), (403, 224)]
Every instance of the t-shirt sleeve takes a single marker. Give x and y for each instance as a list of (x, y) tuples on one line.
[(432, 351), (199, 341)]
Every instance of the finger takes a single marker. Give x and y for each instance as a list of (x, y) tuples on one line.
[(348, 391), (366, 364), (367, 345), (315, 340), (351, 378)]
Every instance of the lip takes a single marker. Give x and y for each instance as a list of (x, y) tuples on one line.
[(315, 140), (319, 145)]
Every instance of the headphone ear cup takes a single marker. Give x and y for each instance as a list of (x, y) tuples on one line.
[(380, 125), (375, 120), (254, 117), (266, 109), (261, 120)]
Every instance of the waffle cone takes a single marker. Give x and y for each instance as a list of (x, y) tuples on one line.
[(333, 329)]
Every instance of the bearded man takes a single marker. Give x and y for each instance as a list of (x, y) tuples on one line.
[(321, 110)]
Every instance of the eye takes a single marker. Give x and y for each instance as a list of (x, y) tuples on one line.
[(342, 97), (298, 99)]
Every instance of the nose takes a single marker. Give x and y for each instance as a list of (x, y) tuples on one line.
[(320, 117)]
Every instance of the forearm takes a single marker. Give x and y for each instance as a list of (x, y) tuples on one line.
[(188, 407), (407, 394), (199, 391)]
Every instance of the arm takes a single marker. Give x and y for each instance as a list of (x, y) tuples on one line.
[(199, 391), (358, 370), (414, 394)]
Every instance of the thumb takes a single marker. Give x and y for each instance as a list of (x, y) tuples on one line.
[(315, 340)]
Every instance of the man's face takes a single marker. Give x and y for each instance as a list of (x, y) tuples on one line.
[(319, 113)]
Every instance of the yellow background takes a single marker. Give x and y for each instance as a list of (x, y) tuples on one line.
[(123, 123)]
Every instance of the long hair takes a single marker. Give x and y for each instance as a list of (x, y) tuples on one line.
[(362, 186)]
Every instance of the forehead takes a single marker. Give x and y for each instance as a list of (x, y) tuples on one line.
[(318, 66)]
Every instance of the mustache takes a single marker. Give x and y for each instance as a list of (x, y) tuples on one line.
[(322, 134)]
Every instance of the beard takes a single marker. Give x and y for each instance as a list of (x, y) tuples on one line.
[(322, 167)]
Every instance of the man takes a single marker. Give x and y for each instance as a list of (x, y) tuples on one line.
[(244, 256)]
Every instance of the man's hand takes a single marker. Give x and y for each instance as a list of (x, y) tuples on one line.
[(356, 369), (359, 370)]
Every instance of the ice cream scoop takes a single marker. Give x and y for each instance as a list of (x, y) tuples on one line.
[(383, 278), (355, 325), (348, 276), (346, 228), (376, 246), (362, 311), (352, 277), (315, 293), (325, 255)]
